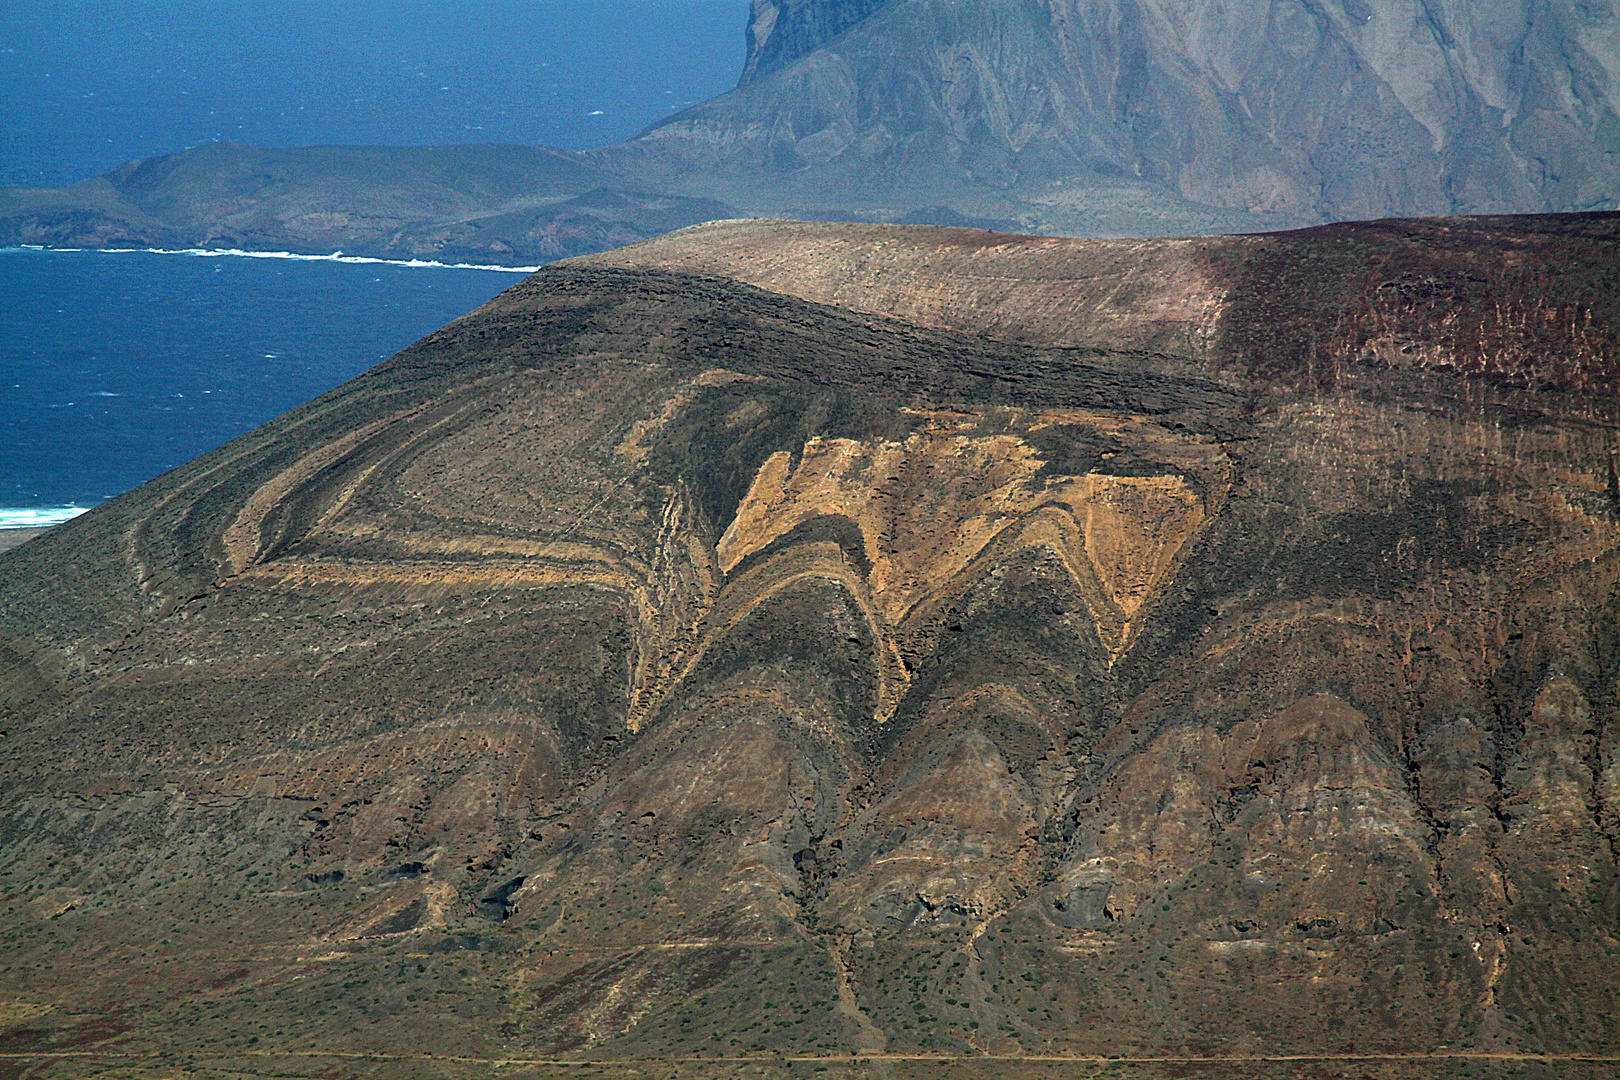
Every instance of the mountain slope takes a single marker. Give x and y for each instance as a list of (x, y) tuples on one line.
[(502, 205), (1068, 117), (1298, 110), (1161, 649)]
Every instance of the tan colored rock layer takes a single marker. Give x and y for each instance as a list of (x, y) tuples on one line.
[(1527, 301), (1152, 294), (651, 663)]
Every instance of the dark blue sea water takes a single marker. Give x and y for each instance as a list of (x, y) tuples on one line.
[(86, 85), (115, 367)]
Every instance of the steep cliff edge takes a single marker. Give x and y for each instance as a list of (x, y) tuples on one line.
[(1195, 649), (1076, 111)]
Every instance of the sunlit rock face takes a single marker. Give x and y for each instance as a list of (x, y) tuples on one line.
[(853, 638)]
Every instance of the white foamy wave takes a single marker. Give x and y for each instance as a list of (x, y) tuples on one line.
[(336, 256), (37, 517)]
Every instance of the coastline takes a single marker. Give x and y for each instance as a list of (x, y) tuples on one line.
[(336, 257), (10, 538)]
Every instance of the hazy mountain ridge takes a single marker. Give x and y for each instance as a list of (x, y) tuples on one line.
[(780, 33), (1099, 117), (1301, 110), (1043, 647), (505, 205)]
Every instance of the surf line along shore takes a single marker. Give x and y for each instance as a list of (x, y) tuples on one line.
[(295, 256), (19, 525)]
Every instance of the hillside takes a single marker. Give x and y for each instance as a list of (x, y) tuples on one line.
[(1114, 116), (1039, 652), (498, 205)]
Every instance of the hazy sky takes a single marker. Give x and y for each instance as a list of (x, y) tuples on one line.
[(88, 84)]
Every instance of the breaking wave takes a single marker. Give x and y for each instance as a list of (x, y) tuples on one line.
[(37, 517), (336, 256)]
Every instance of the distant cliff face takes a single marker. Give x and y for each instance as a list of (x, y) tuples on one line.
[(1066, 117), (1302, 109), (780, 33), (785, 641)]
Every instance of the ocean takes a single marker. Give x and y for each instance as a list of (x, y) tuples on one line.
[(86, 85), (117, 366)]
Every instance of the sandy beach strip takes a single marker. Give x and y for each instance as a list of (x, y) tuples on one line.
[(10, 538)]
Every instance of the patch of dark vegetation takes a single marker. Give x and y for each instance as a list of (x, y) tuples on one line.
[(1527, 302)]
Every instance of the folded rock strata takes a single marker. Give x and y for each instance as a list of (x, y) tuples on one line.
[(811, 639)]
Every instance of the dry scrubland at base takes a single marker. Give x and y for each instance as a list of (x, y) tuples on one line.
[(361, 1067), (786, 642)]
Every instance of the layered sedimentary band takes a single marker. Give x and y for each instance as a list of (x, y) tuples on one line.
[(731, 665)]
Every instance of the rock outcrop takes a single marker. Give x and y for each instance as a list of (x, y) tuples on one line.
[(786, 639)]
